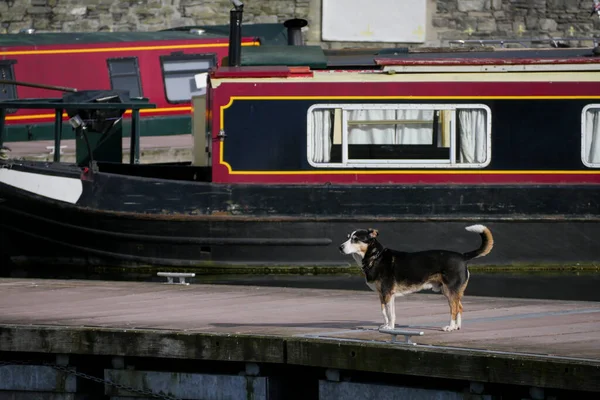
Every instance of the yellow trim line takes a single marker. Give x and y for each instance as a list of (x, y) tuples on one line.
[(121, 49), (354, 171), (144, 111)]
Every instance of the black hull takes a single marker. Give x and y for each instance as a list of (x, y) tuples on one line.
[(128, 221)]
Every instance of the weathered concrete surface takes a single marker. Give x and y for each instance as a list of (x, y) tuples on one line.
[(351, 390), (516, 341), (153, 149), (36, 378), (13, 395), (189, 386)]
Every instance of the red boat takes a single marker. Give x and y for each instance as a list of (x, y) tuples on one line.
[(159, 66)]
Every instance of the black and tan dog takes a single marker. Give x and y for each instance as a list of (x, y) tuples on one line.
[(394, 273)]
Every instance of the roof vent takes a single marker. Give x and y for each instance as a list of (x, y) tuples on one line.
[(197, 31), (294, 27), (28, 31)]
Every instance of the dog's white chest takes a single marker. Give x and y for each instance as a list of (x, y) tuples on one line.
[(358, 260), (371, 286)]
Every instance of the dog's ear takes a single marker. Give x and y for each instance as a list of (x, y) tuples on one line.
[(373, 233)]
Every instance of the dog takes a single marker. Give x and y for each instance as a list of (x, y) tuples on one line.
[(394, 273)]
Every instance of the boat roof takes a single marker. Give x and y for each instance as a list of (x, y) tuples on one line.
[(267, 33), (295, 76), (317, 58)]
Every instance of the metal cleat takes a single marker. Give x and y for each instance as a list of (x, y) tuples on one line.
[(407, 335), (180, 275), (52, 149)]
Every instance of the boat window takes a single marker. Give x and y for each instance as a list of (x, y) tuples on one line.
[(399, 135), (125, 75), (179, 71), (590, 135), (7, 92)]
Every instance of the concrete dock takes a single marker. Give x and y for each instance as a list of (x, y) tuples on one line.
[(529, 344)]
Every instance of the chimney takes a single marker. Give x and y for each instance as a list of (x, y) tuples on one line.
[(235, 33), (294, 28)]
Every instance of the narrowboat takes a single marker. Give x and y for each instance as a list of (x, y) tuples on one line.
[(155, 65), (295, 149)]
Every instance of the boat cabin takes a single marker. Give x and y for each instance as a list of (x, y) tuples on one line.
[(470, 117)]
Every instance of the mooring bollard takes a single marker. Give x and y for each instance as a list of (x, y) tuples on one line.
[(180, 275), (407, 335)]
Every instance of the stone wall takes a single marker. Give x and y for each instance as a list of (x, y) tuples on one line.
[(448, 19), (483, 19), (137, 15)]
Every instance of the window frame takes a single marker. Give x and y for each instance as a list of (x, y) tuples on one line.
[(583, 135), (136, 74), (391, 163), (211, 57)]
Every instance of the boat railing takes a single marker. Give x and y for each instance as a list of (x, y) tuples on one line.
[(101, 106), (524, 42)]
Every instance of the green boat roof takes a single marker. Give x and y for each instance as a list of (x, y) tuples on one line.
[(311, 56), (267, 33)]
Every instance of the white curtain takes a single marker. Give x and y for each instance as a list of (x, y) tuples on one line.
[(321, 136), (411, 132), (592, 136), (415, 132), (472, 136)]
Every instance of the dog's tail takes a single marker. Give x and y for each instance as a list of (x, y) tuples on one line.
[(487, 242)]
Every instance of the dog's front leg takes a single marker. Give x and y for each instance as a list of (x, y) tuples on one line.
[(392, 311), (385, 316), (387, 308)]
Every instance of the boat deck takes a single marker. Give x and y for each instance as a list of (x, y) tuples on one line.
[(528, 341)]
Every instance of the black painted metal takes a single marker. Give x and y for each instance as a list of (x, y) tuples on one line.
[(134, 155), (235, 34), (2, 126), (190, 223), (294, 27), (523, 137), (112, 192), (95, 102), (57, 134)]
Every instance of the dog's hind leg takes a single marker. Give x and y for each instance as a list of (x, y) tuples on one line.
[(454, 291), (454, 303), (456, 307), (459, 294)]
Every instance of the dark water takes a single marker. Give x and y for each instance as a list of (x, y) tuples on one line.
[(584, 286)]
